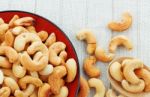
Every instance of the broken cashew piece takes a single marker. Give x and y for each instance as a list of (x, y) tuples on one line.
[(116, 71), (98, 85), (44, 90), (123, 25), (101, 55), (50, 40), (119, 41), (18, 30), (47, 70), (89, 37), (43, 35), (134, 88), (63, 92), (71, 67), (24, 21), (5, 92), (89, 67), (11, 22)]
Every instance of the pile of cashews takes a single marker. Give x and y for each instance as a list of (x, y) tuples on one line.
[(33, 64)]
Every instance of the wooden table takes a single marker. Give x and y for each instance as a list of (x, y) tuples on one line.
[(73, 15)]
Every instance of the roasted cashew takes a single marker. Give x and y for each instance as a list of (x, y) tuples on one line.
[(24, 21), (4, 62), (1, 77), (44, 90), (9, 38), (3, 28), (98, 85), (101, 55), (11, 83), (84, 88), (128, 70), (111, 93), (63, 92), (5, 92), (43, 35), (134, 88), (31, 29), (89, 67), (11, 22), (24, 38), (50, 40), (71, 67), (1, 21), (116, 71), (145, 75), (119, 41), (63, 56), (55, 79), (123, 25), (89, 37), (18, 30), (47, 70), (29, 80)]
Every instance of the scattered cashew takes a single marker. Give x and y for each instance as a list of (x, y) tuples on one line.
[(5, 92), (89, 67), (101, 55), (50, 40), (84, 88), (24, 21), (11, 22), (4, 62), (18, 30), (3, 28), (129, 68), (1, 77), (31, 29), (98, 85), (123, 25), (119, 41), (89, 37), (44, 90), (63, 92), (116, 71), (43, 35), (9, 38), (134, 88), (47, 70), (71, 67)]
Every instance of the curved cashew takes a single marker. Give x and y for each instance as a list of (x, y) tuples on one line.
[(18, 30), (63, 56), (1, 77), (50, 40), (43, 35), (71, 67), (5, 92), (89, 37), (9, 52), (4, 62), (63, 92), (98, 85), (145, 75), (123, 25), (47, 70), (84, 88), (89, 67), (9, 38), (134, 88), (116, 71), (119, 41), (11, 83), (1, 21), (101, 55), (24, 21), (31, 29), (55, 79), (29, 79), (3, 28), (128, 70), (111, 93), (24, 38), (44, 90)]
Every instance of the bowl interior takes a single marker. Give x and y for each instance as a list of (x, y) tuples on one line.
[(44, 24)]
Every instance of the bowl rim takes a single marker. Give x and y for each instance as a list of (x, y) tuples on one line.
[(78, 68)]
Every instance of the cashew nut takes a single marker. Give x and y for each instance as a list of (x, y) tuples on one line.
[(84, 88), (47, 70), (44, 90), (128, 70), (98, 85), (101, 55), (9, 38), (134, 88), (18, 30), (24, 21), (4, 63), (11, 22), (89, 67), (119, 41), (1, 77), (50, 40), (43, 35), (89, 37), (71, 67), (63, 92), (116, 71), (55, 79), (5, 92), (111, 93), (31, 29), (123, 25), (3, 28)]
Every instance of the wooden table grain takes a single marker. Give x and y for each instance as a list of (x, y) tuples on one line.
[(73, 15)]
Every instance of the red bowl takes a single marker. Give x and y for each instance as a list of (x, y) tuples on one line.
[(45, 24)]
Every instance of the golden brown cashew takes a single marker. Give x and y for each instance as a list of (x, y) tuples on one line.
[(111, 93), (98, 85), (3, 28), (71, 67), (101, 55), (11, 22), (89, 67), (116, 71), (47, 70), (89, 37), (43, 35), (145, 75), (18, 30), (128, 70), (84, 88), (4, 62), (1, 21), (24, 38), (50, 40), (9, 38), (31, 29), (29, 79), (123, 25), (5, 92), (63, 92), (119, 41), (134, 88), (24, 21), (44, 90), (1, 77), (55, 79)]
